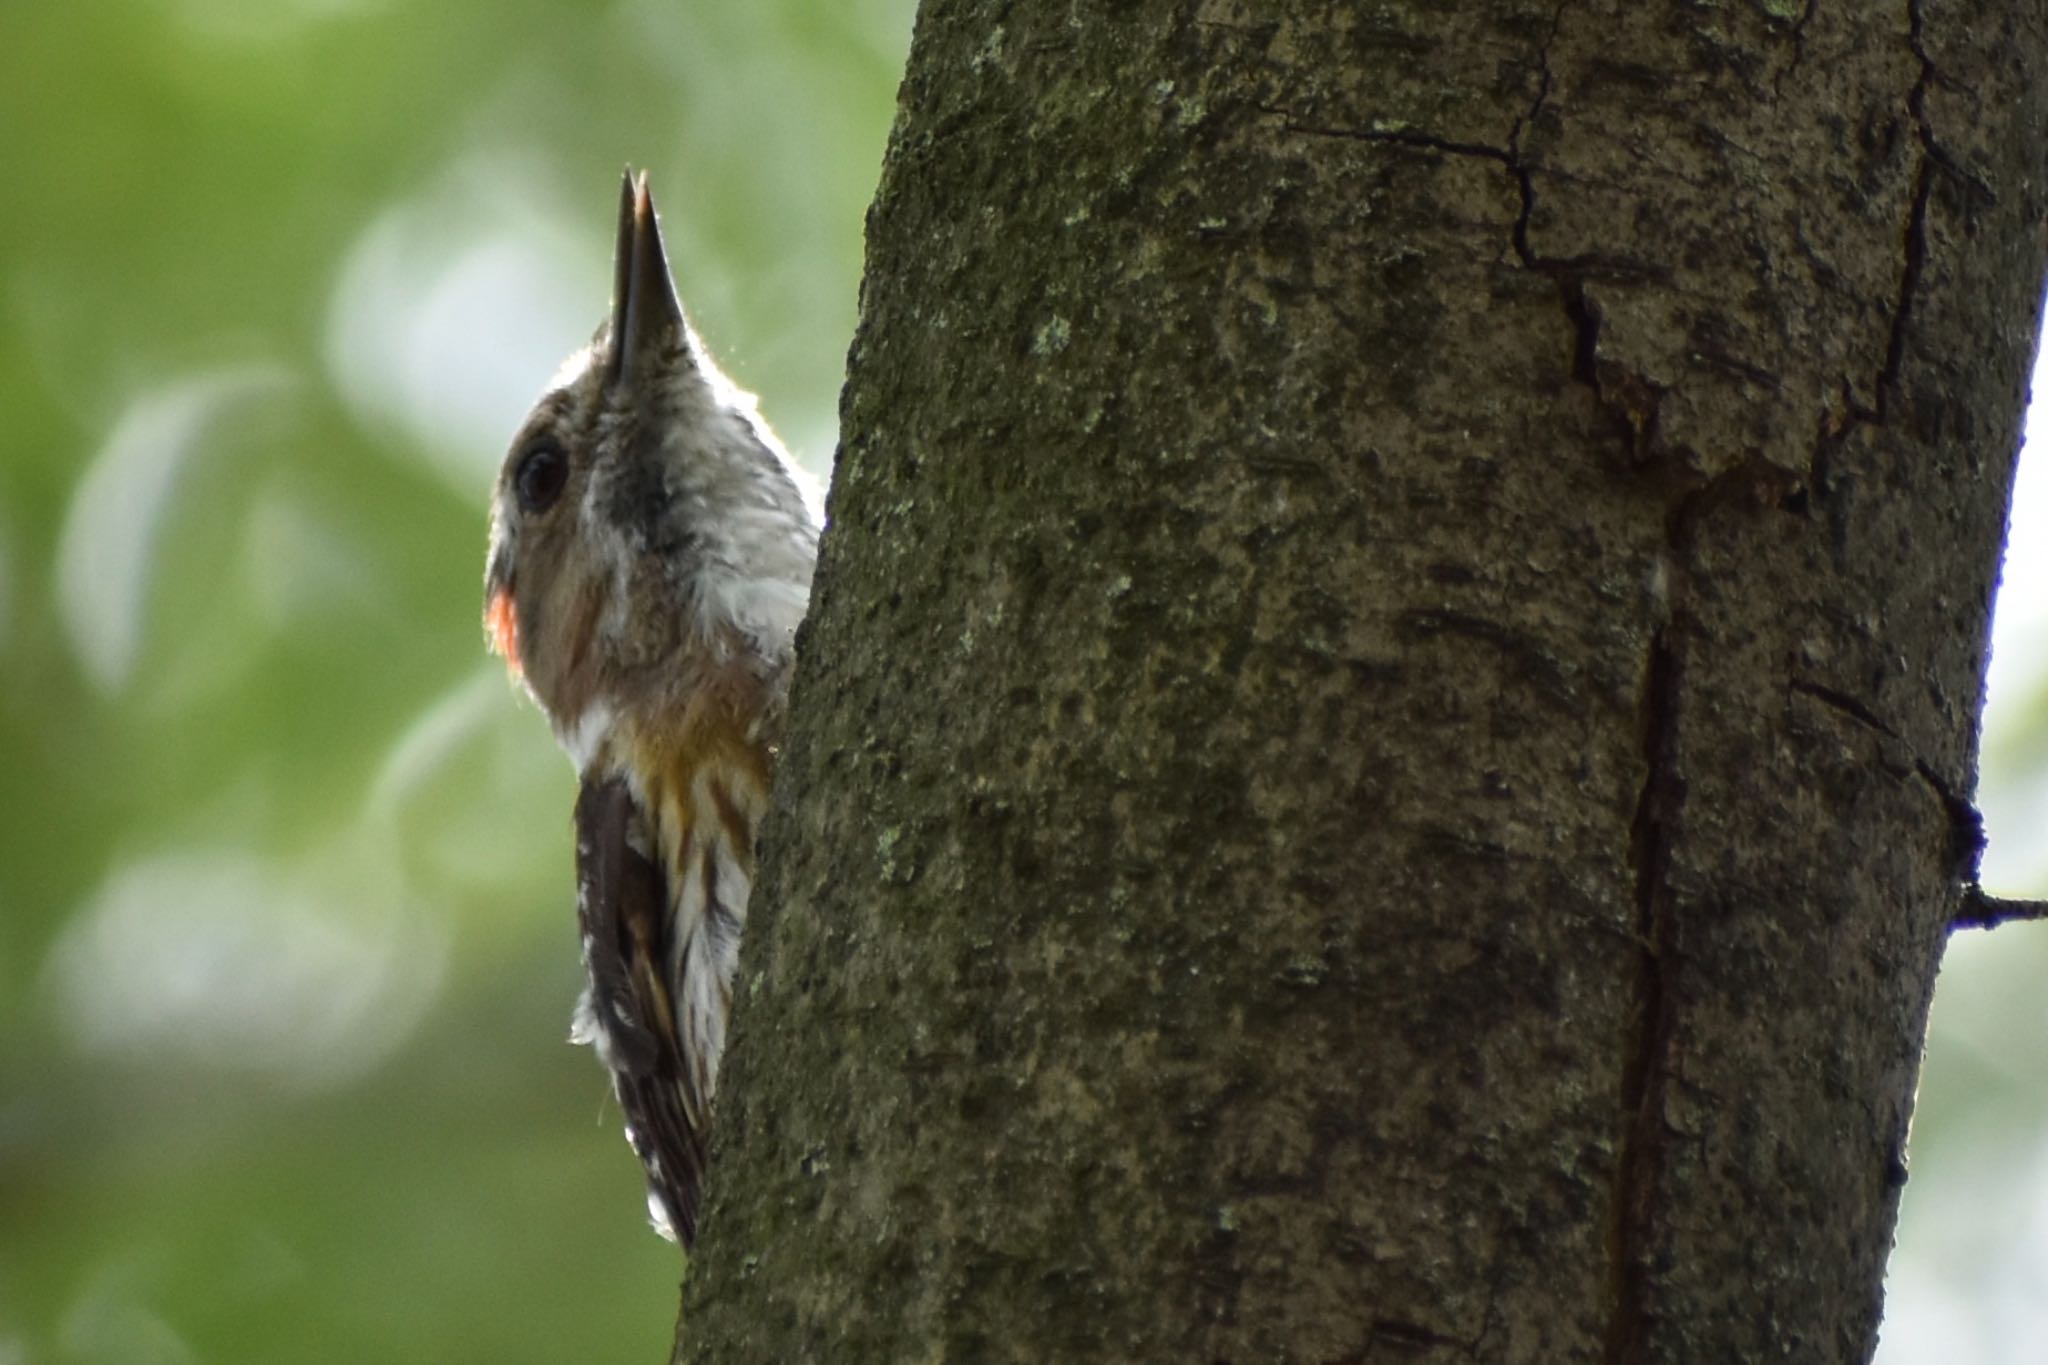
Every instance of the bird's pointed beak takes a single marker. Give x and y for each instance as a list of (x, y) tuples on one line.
[(646, 318)]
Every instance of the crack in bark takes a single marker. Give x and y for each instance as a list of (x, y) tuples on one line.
[(1933, 157), (1798, 35), (1850, 706), (1528, 116), (1835, 430), (1404, 137), (1634, 400), (1650, 1068), (1915, 248), (1736, 365), (1400, 1333), (1496, 1278), (1647, 1069), (1965, 823)]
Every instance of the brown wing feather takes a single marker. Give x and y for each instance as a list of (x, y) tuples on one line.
[(622, 907)]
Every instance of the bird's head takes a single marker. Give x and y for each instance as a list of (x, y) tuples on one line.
[(643, 511)]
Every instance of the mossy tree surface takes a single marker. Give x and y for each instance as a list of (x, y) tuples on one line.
[(1382, 756)]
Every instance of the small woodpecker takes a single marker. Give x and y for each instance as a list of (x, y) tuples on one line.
[(650, 557)]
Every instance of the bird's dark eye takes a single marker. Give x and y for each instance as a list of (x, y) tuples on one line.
[(543, 469)]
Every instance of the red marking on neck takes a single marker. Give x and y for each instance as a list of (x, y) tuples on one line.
[(501, 623)]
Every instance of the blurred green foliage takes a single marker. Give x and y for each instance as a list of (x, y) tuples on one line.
[(286, 938)]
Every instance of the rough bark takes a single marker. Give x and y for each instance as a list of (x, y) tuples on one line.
[(1382, 757)]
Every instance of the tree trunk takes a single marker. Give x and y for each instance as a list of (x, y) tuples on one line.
[(1382, 756)]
